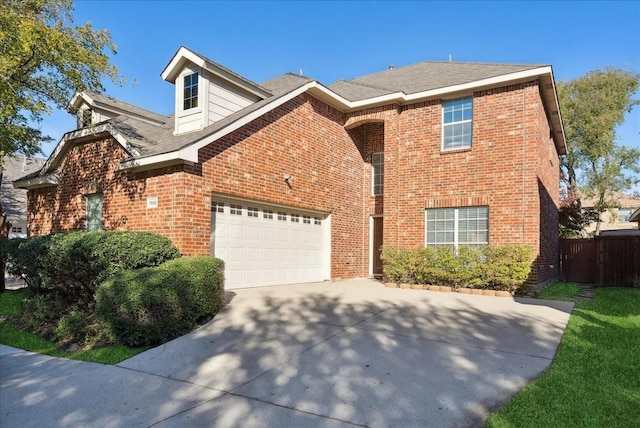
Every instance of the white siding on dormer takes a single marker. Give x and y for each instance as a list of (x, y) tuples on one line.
[(101, 116), (192, 119), (225, 99)]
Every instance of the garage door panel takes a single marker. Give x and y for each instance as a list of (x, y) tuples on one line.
[(267, 247)]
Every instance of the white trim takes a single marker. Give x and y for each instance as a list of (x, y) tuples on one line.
[(327, 245), (81, 97), (186, 72), (454, 122), (244, 201), (456, 226), (190, 153), (184, 55), (373, 175), (371, 220), (47, 180), (403, 98), (170, 74), (45, 177)]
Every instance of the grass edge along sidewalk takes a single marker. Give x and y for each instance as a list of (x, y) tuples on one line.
[(594, 380), (11, 335)]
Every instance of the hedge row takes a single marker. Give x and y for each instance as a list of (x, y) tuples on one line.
[(153, 305), (499, 268), (77, 262)]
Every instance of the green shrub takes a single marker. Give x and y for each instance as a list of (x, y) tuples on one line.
[(153, 305), (77, 262), (500, 268), (72, 327), (508, 267), (473, 272), (398, 265), (27, 259), (41, 312)]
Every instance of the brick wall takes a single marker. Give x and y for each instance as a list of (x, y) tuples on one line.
[(94, 168), (303, 138), (512, 168), (306, 139)]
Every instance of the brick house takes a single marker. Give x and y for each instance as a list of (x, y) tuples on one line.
[(294, 181)]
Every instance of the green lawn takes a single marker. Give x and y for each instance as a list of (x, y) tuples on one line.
[(594, 380), (560, 291), (11, 335)]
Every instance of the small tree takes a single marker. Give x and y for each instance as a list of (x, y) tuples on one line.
[(44, 59), (592, 107)]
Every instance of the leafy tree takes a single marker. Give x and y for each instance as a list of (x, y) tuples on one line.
[(44, 59), (592, 107)]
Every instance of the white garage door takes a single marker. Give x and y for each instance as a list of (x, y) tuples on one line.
[(267, 245)]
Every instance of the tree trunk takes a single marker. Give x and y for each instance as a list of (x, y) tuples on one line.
[(597, 231), (5, 227)]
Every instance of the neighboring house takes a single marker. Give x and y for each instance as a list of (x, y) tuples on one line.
[(14, 201), (294, 181), (614, 218), (635, 217)]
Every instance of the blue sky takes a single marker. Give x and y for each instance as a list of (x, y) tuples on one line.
[(332, 40)]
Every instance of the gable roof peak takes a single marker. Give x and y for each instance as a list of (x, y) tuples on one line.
[(185, 55)]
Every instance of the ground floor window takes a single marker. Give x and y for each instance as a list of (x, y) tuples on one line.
[(94, 212), (457, 226)]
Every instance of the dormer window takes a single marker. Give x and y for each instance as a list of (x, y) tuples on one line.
[(190, 91), (85, 118)]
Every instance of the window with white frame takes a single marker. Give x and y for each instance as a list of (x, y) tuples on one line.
[(306, 219), (295, 218), (457, 226), (190, 91), (317, 221), (267, 214), (282, 216), (377, 165), (457, 123), (252, 212), (16, 229), (94, 212)]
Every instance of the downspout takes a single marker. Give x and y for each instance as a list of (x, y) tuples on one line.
[(524, 141)]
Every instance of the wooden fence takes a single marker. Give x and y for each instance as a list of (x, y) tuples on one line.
[(606, 261)]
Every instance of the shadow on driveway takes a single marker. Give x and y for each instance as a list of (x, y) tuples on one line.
[(329, 354)]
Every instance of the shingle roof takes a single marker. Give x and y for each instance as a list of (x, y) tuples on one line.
[(121, 105), (151, 139), (625, 201), (14, 201), (422, 77), (155, 140)]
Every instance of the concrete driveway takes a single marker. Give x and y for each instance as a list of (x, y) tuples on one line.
[(347, 353)]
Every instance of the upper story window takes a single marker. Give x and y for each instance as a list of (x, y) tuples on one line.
[(190, 91), (85, 118), (457, 123), (377, 164)]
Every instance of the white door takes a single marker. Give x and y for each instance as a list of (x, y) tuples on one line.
[(266, 245)]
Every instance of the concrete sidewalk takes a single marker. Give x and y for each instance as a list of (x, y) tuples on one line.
[(329, 354)]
